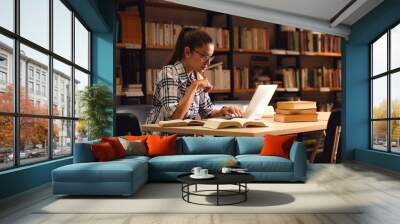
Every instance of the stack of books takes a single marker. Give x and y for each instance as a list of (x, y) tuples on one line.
[(296, 111), (134, 90)]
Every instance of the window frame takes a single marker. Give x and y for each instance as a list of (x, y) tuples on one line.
[(388, 74), (16, 114)]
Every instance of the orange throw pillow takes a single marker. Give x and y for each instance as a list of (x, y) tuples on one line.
[(277, 145), (103, 152), (116, 145), (134, 137), (161, 145)]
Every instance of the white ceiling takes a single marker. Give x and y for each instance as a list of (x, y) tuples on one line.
[(320, 9), (315, 15)]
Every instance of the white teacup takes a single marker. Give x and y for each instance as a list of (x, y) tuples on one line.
[(226, 170), (203, 172), (196, 171)]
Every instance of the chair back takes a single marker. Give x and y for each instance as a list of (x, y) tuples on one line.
[(331, 151), (127, 124)]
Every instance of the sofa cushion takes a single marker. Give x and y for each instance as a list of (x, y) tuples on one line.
[(249, 145), (103, 152), (134, 147), (257, 163), (112, 171), (161, 145), (277, 145), (207, 145), (116, 145), (185, 163)]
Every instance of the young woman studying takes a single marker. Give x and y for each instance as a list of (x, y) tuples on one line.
[(181, 90)]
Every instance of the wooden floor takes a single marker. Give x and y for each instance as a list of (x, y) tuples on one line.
[(377, 188)]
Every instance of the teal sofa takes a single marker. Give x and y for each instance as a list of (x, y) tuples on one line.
[(125, 176)]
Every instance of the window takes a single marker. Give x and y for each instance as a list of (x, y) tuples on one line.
[(44, 91), (30, 73), (7, 14), (38, 89), (385, 96), (30, 87), (50, 135), (3, 78), (3, 72)]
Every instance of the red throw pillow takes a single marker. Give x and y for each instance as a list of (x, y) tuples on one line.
[(103, 151), (134, 137), (161, 145), (277, 145), (116, 145)]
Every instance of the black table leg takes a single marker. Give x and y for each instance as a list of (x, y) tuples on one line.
[(245, 193), (217, 194)]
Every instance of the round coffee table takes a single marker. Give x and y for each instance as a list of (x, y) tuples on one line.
[(238, 179)]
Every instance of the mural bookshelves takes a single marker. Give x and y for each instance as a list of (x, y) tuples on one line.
[(303, 63)]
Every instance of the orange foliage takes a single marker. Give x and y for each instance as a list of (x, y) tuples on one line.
[(33, 130)]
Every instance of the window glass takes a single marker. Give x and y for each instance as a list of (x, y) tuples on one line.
[(81, 81), (395, 138), (34, 21), (379, 98), (62, 138), (395, 95), (39, 61), (6, 74), (62, 91), (379, 135), (7, 14), (81, 45), (379, 56), (62, 29), (395, 47), (81, 131), (6, 142), (33, 139)]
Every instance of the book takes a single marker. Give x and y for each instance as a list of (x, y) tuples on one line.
[(180, 123), (299, 111), (218, 123), (295, 117), (296, 105)]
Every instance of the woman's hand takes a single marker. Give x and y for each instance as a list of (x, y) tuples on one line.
[(203, 84), (231, 110)]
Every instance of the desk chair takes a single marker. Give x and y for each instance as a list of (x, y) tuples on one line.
[(330, 152), (127, 124)]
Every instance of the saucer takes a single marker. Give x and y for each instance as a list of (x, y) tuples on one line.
[(208, 176)]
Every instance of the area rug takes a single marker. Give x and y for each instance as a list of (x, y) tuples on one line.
[(167, 198)]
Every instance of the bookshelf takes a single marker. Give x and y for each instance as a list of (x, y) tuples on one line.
[(304, 64)]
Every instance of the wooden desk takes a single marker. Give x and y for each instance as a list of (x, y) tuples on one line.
[(274, 128)]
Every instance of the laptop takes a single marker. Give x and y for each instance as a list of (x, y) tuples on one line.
[(258, 102)]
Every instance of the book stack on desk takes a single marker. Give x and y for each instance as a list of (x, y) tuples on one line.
[(296, 111)]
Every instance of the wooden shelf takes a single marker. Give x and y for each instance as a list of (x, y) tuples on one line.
[(327, 89), (244, 90), (172, 48), (216, 91), (160, 48), (322, 54), (128, 46), (237, 50)]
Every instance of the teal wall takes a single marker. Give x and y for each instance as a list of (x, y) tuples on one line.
[(356, 85), (99, 16)]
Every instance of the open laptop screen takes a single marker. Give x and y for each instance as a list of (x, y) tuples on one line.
[(259, 101)]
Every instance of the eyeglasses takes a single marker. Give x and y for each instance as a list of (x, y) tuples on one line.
[(204, 57)]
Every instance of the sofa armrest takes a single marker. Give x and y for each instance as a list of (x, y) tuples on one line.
[(298, 156), (83, 152)]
